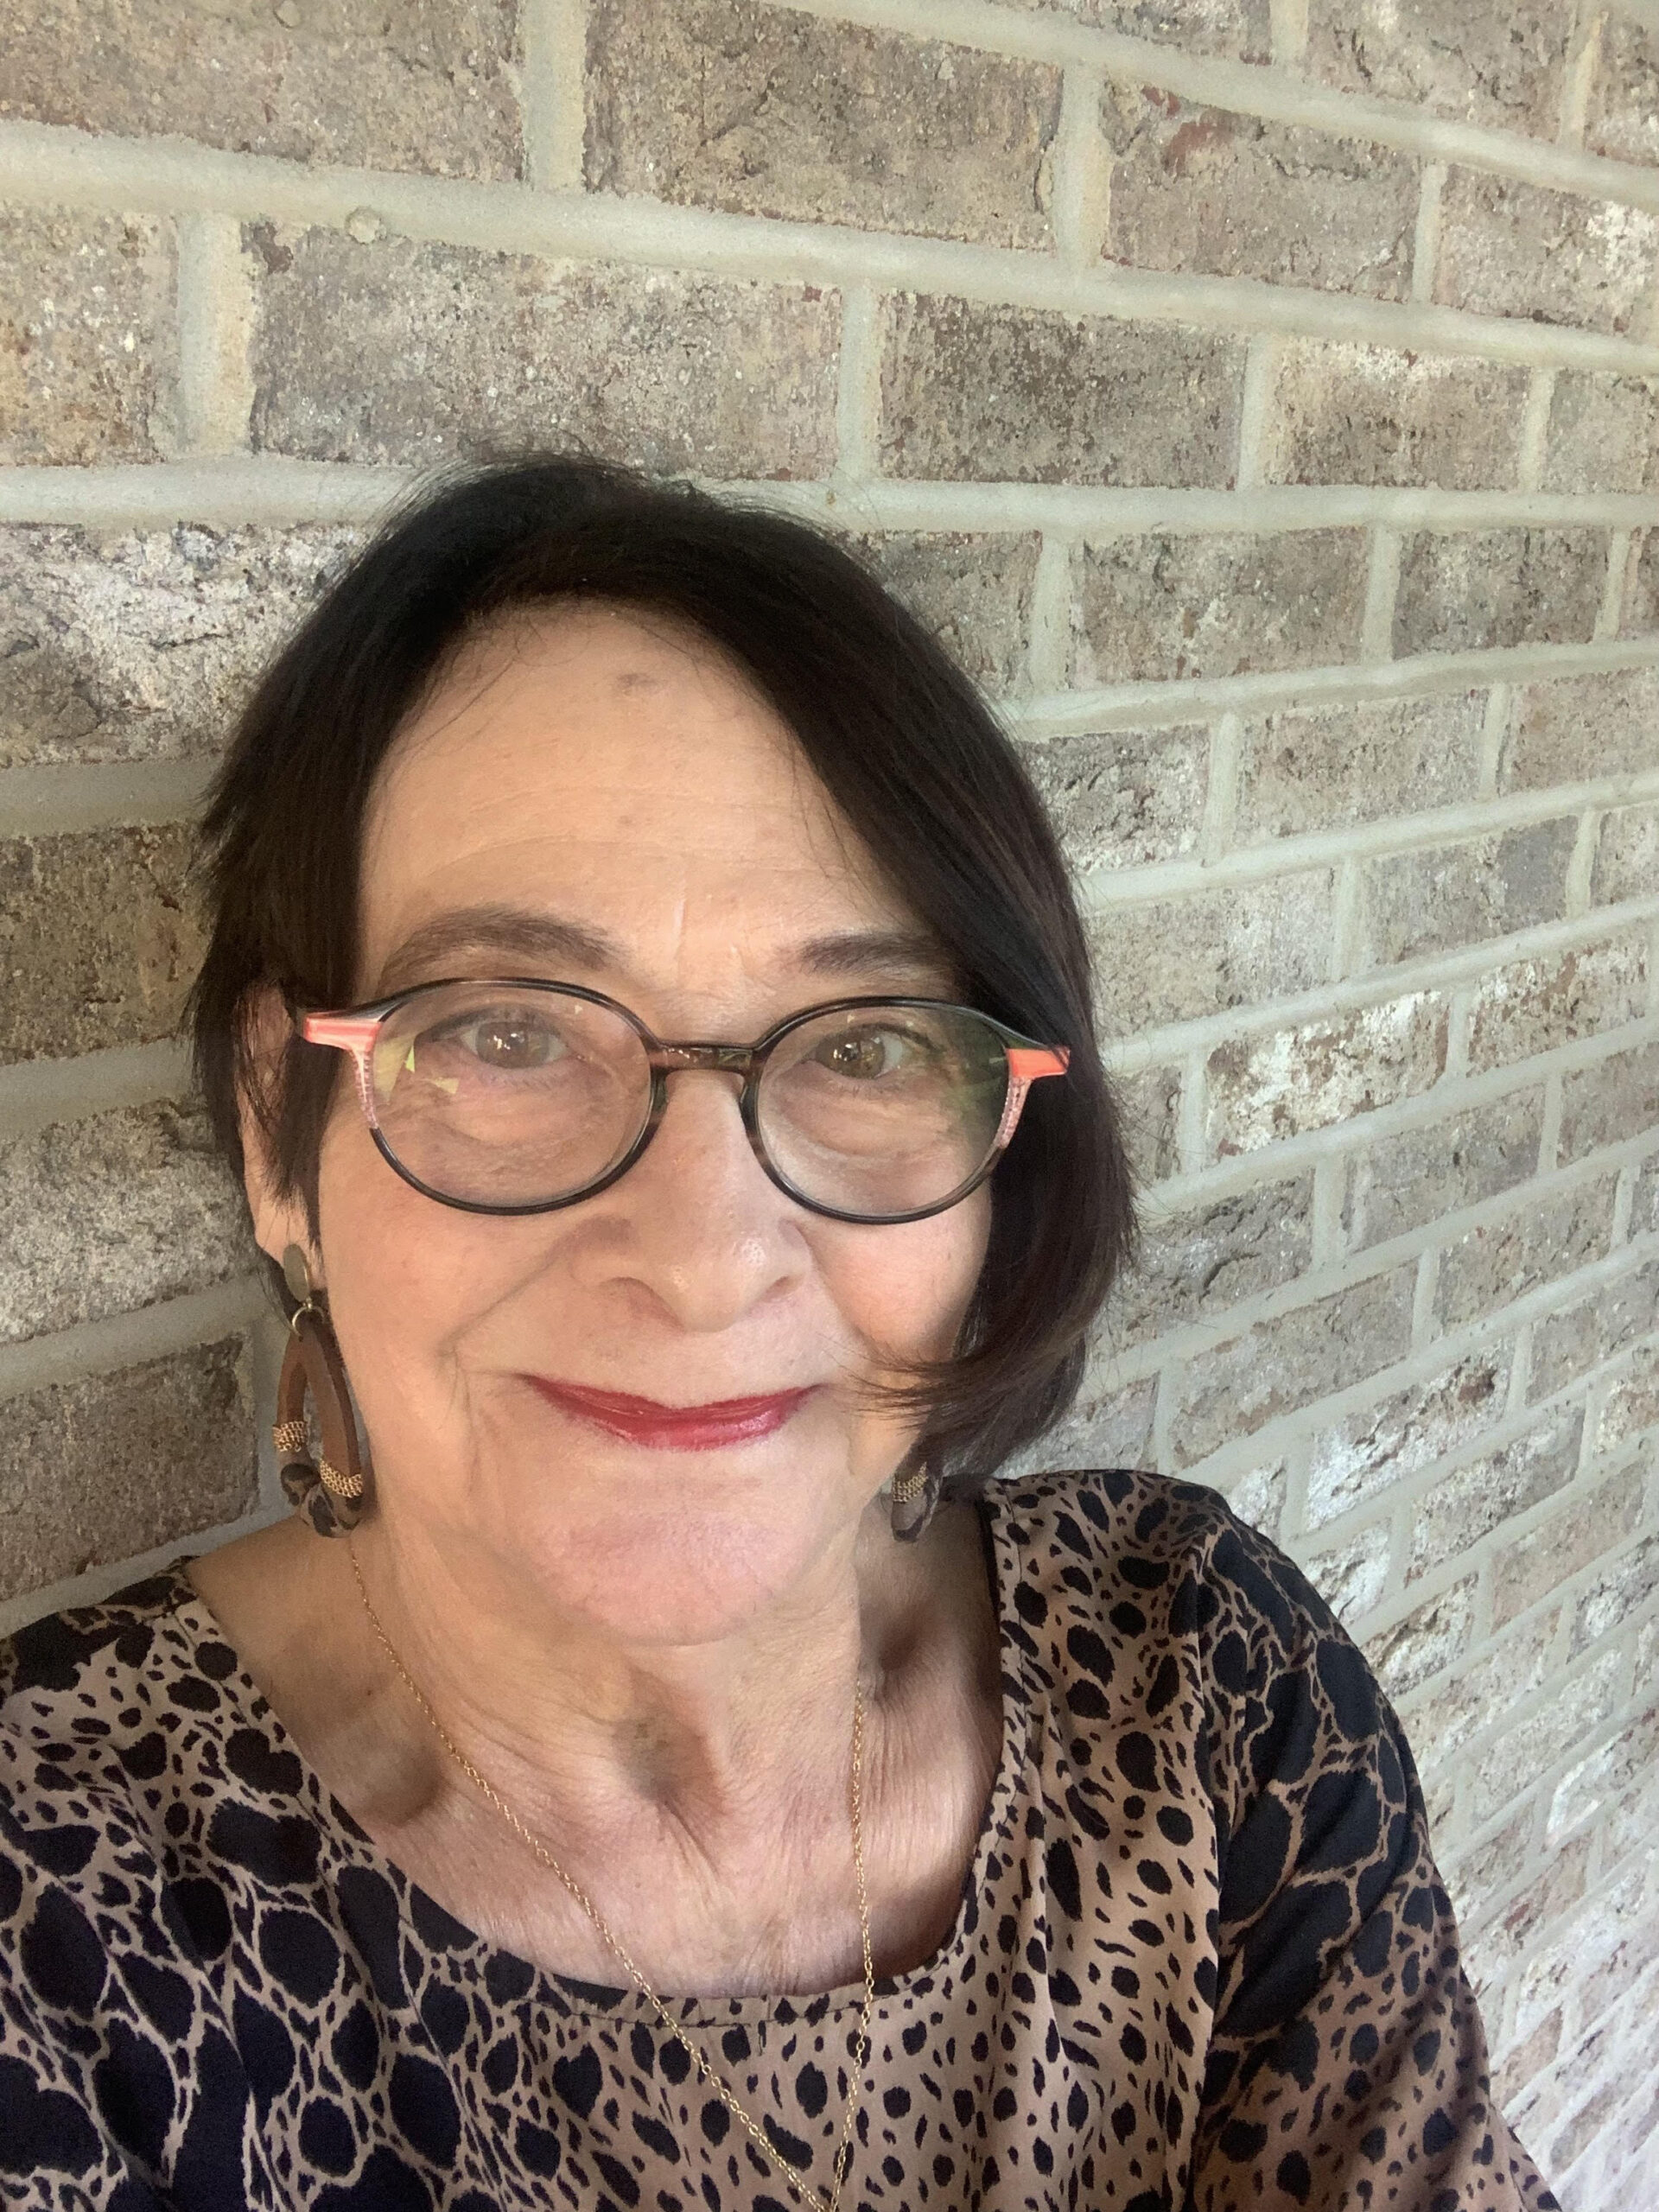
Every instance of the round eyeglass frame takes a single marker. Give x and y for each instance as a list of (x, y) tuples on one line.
[(354, 1030)]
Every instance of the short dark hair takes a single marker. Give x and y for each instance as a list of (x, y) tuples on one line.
[(895, 733)]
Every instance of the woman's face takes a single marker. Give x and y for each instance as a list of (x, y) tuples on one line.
[(600, 798)]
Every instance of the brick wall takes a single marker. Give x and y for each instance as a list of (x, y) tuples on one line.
[(1264, 395)]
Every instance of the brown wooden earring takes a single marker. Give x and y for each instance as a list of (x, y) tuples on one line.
[(330, 1492), (916, 1490)]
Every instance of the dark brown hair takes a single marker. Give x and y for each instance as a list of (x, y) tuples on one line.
[(895, 733)]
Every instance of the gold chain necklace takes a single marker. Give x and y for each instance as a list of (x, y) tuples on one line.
[(843, 2159)]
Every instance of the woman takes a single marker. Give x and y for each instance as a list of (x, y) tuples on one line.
[(646, 1005)]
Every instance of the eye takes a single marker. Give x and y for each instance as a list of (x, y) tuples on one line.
[(865, 1054), (510, 1041)]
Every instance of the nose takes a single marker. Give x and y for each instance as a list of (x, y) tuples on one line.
[(706, 1232)]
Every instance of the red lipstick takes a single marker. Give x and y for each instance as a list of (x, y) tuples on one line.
[(674, 1428)]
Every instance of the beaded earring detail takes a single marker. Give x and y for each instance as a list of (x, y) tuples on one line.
[(331, 1492), (916, 1488)]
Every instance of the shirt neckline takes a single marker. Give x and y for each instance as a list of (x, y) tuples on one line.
[(346, 1844)]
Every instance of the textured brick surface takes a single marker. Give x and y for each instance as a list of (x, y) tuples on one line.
[(1614, 1098), (1323, 767), (1414, 904), (1631, 1404), (141, 646), (1580, 727), (1352, 1576), (1358, 1458), (1498, 67), (1174, 960), (1625, 1586), (1507, 248), (1426, 1642), (1499, 588), (1568, 1342), (88, 357), (1532, 1006), (1534, 1745), (1468, 1503), (1396, 1184), (1623, 118), (1352, 414), (1149, 1106), (1239, 28), (1579, 1531), (382, 84), (1230, 195), (1111, 1430), (1290, 1362), (1626, 865), (137, 1458), (1479, 1693), (1503, 1259), (722, 103), (1126, 797), (1601, 433), (1639, 613), (400, 351), (969, 391), (1182, 606), (99, 941), (1607, 1773), (118, 1211), (974, 591), (1196, 1263), (1264, 1088)]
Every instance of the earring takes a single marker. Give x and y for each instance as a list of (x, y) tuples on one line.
[(332, 1492), (916, 1488)]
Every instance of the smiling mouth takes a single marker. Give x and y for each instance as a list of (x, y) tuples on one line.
[(674, 1428)]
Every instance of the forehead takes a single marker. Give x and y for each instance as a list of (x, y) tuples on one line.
[(617, 767)]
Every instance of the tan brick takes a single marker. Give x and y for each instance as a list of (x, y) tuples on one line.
[(1581, 728), (1627, 855), (1502, 68), (1611, 1099), (1624, 1588), (970, 390), (99, 941), (1113, 1429), (1514, 249), (411, 353), (1241, 29), (1352, 414), (1580, 2132), (1426, 1641), (1580, 1337), (1468, 1503), (1261, 1089), (141, 646), (395, 84), (1397, 1183), (1323, 767), (1554, 1888), (767, 112), (1258, 1498), (1438, 898), (1632, 1401), (1153, 607), (1579, 1532), (1623, 118), (1291, 1361), (1524, 2060), (1206, 190), (1149, 1110), (1532, 1006), (1175, 959), (114, 1212), (1350, 1577), (1485, 587), (1127, 796), (974, 593), (1480, 1692), (1545, 1238), (1201, 1260), (138, 1459), (1585, 1790), (1358, 1458), (88, 357), (1570, 1713), (1601, 433)]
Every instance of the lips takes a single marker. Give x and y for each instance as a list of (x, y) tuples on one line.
[(674, 1428)]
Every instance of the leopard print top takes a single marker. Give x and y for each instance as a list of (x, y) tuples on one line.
[(1202, 1960)]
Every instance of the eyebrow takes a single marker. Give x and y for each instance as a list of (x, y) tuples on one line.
[(517, 933)]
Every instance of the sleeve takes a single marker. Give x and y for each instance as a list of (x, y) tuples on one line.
[(1348, 2064)]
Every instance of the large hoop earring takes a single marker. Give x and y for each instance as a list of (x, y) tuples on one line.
[(916, 1490), (331, 1491)]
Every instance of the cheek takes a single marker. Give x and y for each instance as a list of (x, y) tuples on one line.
[(906, 1290)]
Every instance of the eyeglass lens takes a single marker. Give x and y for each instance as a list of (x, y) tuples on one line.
[(504, 1096)]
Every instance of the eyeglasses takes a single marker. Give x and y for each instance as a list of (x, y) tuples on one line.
[(519, 1097)]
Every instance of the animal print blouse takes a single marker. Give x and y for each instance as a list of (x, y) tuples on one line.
[(1202, 1962)]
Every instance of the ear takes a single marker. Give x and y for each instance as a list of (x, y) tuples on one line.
[(278, 1220)]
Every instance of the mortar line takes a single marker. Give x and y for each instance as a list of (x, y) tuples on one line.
[(130, 1340), (858, 389), (1426, 240), (1081, 186), (1255, 456), (555, 34), (54, 799), (1287, 33), (33, 1094), (1219, 820), (215, 388), (100, 1582), (1578, 80), (1575, 900), (44, 164), (1534, 430), (1494, 727), (1049, 651), (1611, 612), (1381, 594)]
